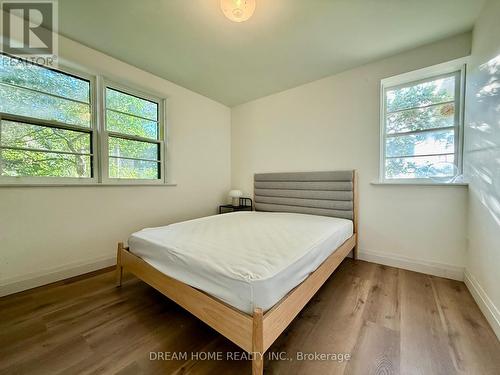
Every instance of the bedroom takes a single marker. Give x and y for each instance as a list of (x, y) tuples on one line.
[(156, 113)]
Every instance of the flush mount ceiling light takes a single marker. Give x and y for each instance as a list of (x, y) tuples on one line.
[(238, 10)]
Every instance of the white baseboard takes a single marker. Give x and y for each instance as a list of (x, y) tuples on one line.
[(431, 268), (484, 302), (47, 276)]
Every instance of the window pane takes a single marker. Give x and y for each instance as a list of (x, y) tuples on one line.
[(126, 124), (133, 149), (131, 115), (436, 142), (421, 167), (34, 163), (31, 104), (426, 93), (419, 119), (133, 169), (131, 104), (16, 134), (19, 73)]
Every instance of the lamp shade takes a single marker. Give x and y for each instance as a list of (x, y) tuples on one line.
[(235, 193)]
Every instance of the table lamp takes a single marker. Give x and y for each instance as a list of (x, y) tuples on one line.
[(235, 197)]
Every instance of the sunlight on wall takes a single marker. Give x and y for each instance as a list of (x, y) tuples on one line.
[(482, 163), (493, 66), (483, 136), (493, 86)]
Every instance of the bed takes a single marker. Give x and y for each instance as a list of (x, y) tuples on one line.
[(248, 274)]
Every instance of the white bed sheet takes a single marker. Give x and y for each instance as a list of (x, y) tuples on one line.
[(246, 259)]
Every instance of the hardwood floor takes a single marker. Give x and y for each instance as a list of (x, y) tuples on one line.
[(390, 321)]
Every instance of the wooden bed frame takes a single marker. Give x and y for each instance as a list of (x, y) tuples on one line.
[(253, 333)]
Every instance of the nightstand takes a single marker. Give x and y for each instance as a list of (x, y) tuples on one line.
[(246, 204)]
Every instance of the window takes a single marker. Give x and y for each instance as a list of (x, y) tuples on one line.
[(135, 135), (50, 129), (46, 127), (422, 125)]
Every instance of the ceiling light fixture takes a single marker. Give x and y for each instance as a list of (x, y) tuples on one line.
[(238, 10)]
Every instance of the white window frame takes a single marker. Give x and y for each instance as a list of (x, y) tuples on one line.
[(99, 136), (92, 130), (457, 66), (104, 139)]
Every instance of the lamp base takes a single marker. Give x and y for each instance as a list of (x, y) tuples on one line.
[(235, 201)]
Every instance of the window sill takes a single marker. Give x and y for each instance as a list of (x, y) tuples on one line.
[(413, 183), (85, 185)]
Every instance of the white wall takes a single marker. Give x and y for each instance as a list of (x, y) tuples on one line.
[(333, 123), (482, 162), (51, 233)]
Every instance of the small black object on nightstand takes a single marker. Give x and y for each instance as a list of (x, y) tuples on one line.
[(246, 204)]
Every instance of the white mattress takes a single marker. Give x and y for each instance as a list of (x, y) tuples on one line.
[(246, 259)]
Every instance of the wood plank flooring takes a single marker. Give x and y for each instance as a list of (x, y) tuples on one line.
[(389, 321)]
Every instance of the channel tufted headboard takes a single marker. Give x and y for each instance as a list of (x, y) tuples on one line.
[(315, 193)]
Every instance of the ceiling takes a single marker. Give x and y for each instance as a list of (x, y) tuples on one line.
[(286, 43)]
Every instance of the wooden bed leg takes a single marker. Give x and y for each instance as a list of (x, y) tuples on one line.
[(355, 249), (257, 343), (119, 268)]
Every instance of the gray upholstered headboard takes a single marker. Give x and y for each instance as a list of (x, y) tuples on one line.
[(315, 193)]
